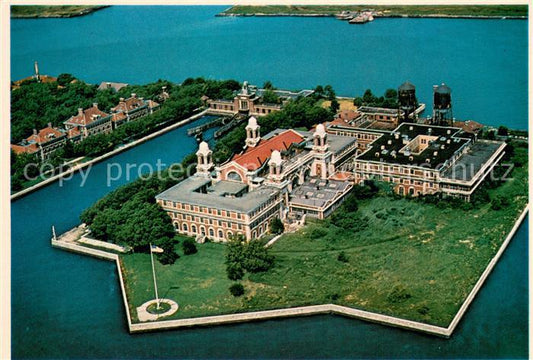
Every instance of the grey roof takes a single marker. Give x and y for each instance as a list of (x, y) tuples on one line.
[(111, 85), (337, 143), (468, 165), (377, 110), (197, 190), (443, 89), (406, 86), (317, 192)]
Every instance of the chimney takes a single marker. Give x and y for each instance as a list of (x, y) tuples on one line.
[(80, 111), (49, 124), (133, 95), (34, 131), (121, 99), (95, 105), (108, 85)]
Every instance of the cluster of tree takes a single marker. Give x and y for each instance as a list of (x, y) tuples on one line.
[(244, 256), (276, 226), (388, 100), (270, 97)]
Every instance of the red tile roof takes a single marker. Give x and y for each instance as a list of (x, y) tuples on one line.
[(45, 135), (30, 149), (468, 126), (72, 133), (254, 157), (128, 105), (118, 117), (85, 117)]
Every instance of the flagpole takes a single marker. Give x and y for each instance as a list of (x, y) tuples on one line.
[(153, 272)]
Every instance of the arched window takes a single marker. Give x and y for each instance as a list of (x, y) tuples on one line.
[(177, 226), (411, 191), (211, 232), (202, 230), (185, 228), (229, 233), (220, 234), (400, 190), (193, 229), (254, 234), (233, 175)]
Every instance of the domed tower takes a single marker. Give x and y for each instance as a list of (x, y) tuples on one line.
[(274, 165), (204, 156), (407, 101), (442, 105), (320, 138), (252, 132)]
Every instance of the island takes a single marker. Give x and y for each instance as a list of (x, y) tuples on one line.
[(357, 207), (433, 11), (52, 11)]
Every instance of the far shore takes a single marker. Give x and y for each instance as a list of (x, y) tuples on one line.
[(37, 11)]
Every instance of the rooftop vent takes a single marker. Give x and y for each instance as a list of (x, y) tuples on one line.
[(449, 132), (407, 152), (393, 153), (389, 142), (410, 158), (396, 136), (410, 128), (428, 161), (382, 147), (430, 130), (384, 152), (448, 141), (435, 153), (442, 138), (442, 147), (377, 154)]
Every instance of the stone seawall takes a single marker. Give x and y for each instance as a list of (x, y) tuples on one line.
[(297, 311)]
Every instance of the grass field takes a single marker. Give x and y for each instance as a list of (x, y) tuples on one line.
[(414, 261), (390, 10), (51, 11), (344, 105)]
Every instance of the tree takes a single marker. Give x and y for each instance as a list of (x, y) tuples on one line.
[(334, 105), (268, 85), (234, 271), (319, 91), (189, 246), (169, 255), (503, 131), (236, 289), (242, 256), (64, 79), (358, 101), (391, 94), (270, 97), (491, 135), (276, 226), (329, 92), (368, 97)]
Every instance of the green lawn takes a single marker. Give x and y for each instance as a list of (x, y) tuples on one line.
[(392, 10), (414, 261)]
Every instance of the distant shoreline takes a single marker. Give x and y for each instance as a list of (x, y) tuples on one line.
[(47, 12), (430, 16), (516, 12)]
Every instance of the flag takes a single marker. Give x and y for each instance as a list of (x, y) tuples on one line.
[(155, 249)]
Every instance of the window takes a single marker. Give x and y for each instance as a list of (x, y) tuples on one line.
[(193, 229), (185, 227), (220, 234), (211, 232)]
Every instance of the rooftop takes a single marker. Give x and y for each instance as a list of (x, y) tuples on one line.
[(417, 145), (129, 104), (197, 190), (318, 193), (87, 116), (111, 85), (468, 165), (253, 158)]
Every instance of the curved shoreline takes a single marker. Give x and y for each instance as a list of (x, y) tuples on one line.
[(440, 331)]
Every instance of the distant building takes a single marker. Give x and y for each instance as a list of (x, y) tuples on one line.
[(42, 143), (115, 86), (132, 108), (284, 174), (249, 101), (88, 122)]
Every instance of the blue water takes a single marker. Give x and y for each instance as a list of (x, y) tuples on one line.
[(484, 62), (69, 306)]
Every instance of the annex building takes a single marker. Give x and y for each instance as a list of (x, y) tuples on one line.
[(286, 174), (427, 159)]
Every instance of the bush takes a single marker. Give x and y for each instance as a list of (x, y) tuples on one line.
[(169, 255), (189, 247), (398, 294), (236, 289), (499, 202), (276, 226), (317, 233), (342, 257), (234, 271)]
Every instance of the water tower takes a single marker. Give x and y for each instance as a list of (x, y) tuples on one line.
[(407, 101), (442, 105)]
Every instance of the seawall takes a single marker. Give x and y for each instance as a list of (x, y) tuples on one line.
[(445, 332)]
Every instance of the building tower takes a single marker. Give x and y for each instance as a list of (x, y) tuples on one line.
[(442, 105), (252, 132), (322, 155), (205, 160), (407, 102), (36, 75), (274, 165)]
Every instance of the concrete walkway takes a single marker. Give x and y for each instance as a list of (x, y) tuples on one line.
[(144, 315)]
